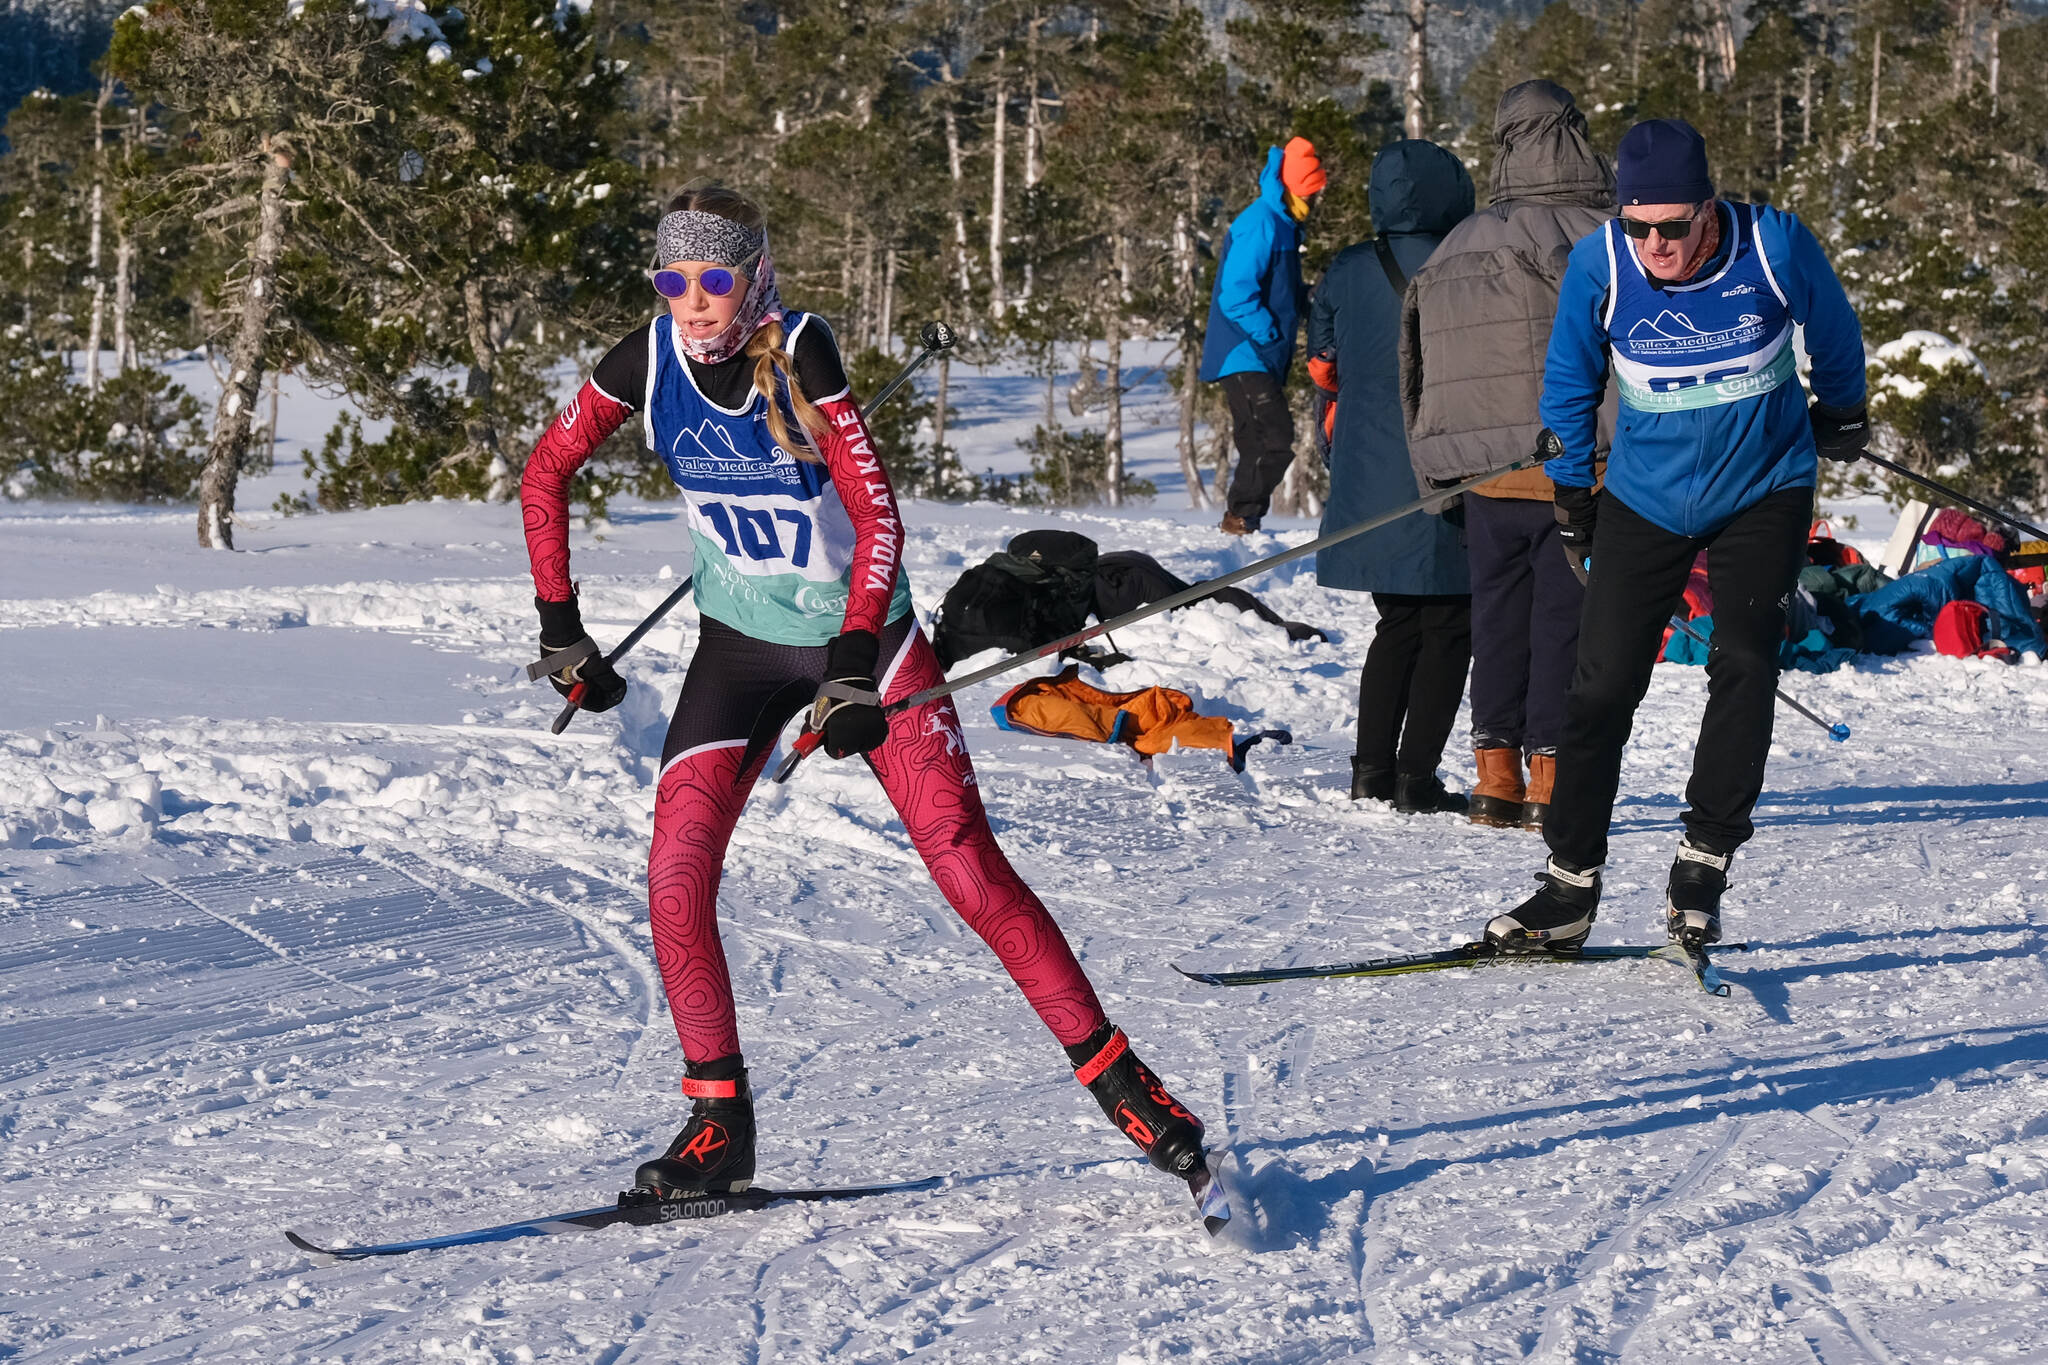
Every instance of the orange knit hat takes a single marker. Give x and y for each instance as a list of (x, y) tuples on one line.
[(1301, 171)]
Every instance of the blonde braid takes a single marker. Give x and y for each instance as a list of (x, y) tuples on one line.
[(770, 361)]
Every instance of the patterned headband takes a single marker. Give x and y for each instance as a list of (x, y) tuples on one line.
[(689, 235)]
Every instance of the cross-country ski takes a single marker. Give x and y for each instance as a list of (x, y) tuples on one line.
[(1479, 954), (832, 682), (636, 1208)]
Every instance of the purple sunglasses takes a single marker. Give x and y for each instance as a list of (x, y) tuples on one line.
[(673, 284)]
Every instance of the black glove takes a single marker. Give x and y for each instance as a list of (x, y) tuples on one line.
[(1577, 511), (561, 628), (848, 709), (1842, 434)]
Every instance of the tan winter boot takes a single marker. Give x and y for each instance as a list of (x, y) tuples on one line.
[(1497, 799), (1542, 779)]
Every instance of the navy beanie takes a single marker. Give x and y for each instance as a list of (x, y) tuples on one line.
[(1662, 161)]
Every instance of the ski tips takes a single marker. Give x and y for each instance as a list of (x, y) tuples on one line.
[(319, 1252), (1206, 978)]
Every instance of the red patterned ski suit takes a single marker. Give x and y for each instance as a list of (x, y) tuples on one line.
[(733, 704)]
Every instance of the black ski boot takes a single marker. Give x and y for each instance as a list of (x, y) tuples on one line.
[(715, 1151), (1554, 920), (1692, 898), (1424, 794), (1369, 783), (1168, 1135)]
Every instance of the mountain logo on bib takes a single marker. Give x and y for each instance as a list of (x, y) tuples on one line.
[(1671, 333), (707, 449)]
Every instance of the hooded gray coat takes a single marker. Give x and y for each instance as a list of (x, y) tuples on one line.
[(1476, 321), (1418, 192)]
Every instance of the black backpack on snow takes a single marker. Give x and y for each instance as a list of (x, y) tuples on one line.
[(1037, 589)]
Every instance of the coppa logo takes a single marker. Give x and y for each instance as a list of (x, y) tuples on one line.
[(813, 601)]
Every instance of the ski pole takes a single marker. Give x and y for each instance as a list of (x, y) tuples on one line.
[(1837, 731), (1965, 499), (575, 702), (809, 739), (934, 338)]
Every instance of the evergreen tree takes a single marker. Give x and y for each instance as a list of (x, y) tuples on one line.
[(275, 96), (1144, 133), (501, 230)]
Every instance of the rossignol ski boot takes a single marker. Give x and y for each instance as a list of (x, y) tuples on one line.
[(715, 1151), (1136, 1102)]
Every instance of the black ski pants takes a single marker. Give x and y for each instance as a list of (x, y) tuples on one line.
[(1525, 623), (1413, 678), (1639, 573), (1262, 429)]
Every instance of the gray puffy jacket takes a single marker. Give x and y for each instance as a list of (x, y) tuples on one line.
[(1476, 321)]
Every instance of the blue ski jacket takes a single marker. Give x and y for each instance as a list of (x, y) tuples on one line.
[(1256, 304), (1712, 418), (1904, 611)]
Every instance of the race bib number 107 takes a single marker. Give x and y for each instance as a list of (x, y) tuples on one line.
[(762, 535)]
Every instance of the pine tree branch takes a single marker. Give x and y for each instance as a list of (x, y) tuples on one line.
[(377, 236), (226, 207)]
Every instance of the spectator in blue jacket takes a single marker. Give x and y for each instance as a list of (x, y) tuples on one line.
[(1253, 314), (1692, 301)]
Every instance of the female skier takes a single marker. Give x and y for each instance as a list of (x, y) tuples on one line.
[(796, 539)]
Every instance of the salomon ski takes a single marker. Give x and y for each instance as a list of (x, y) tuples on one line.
[(1477, 955), (634, 1207)]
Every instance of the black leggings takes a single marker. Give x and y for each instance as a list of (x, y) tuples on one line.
[(1639, 572), (742, 688), (1413, 678)]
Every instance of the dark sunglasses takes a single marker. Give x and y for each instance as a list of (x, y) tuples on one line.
[(1671, 230), (673, 284)]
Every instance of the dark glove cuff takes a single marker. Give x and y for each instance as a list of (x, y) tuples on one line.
[(1839, 416), (1572, 500), (561, 623), (852, 654)]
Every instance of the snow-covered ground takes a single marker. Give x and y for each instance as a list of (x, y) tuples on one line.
[(306, 921)]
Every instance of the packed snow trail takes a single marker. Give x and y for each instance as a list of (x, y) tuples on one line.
[(269, 959)]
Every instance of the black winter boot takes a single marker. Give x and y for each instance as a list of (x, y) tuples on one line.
[(1692, 898), (715, 1151), (1425, 794), (1168, 1135), (1554, 920), (1369, 783)]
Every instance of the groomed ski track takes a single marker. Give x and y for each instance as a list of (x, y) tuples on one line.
[(384, 972)]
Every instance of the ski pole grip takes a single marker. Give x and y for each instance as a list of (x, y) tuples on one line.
[(802, 749), (568, 712)]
